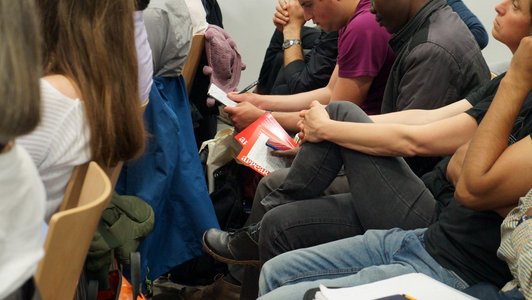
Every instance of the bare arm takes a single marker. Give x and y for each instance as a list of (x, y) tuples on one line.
[(423, 116), (285, 103), (351, 89), (246, 113), (494, 175), (442, 137)]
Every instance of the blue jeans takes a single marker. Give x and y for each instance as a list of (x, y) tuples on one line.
[(376, 255)]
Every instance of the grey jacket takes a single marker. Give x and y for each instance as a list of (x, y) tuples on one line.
[(438, 61), (169, 30)]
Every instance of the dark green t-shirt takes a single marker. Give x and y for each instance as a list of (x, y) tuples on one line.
[(464, 240)]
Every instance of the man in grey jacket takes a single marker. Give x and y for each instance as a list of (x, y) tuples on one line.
[(438, 61)]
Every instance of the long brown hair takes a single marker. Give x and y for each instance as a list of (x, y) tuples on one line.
[(20, 59), (92, 43)]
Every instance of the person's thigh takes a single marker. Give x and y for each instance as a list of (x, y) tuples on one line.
[(382, 186), (376, 255), (331, 260), (271, 182), (387, 188), (307, 223)]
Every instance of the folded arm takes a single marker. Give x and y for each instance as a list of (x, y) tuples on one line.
[(494, 175)]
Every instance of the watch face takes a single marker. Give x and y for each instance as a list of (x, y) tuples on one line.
[(289, 43)]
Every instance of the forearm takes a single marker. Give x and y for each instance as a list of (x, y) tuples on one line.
[(288, 120), (295, 52), (368, 138), (401, 140), (301, 76), (423, 116), (297, 102)]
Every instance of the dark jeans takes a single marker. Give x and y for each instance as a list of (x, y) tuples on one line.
[(487, 291), (250, 276), (383, 193)]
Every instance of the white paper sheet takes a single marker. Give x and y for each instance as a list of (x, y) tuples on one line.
[(416, 285), (220, 96)]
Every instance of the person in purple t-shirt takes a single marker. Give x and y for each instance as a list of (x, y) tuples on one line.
[(363, 64)]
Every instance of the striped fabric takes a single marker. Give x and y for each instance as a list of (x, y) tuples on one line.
[(58, 144), (516, 246)]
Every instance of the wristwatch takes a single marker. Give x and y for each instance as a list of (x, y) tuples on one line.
[(289, 43), (526, 216)]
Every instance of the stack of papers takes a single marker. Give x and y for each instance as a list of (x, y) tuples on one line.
[(416, 286), (259, 139), (220, 96)]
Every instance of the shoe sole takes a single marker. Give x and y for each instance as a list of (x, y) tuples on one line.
[(253, 263)]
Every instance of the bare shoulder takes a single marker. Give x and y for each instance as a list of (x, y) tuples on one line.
[(64, 85)]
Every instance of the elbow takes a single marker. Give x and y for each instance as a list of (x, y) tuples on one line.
[(410, 147), (409, 151), (467, 196), (412, 143)]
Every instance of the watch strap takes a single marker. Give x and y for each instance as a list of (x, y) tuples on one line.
[(291, 42)]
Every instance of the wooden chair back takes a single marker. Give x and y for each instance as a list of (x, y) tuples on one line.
[(193, 59), (69, 235), (73, 189)]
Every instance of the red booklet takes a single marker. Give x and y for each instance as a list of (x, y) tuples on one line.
[(259, 139)]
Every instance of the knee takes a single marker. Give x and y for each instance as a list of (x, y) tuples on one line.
[(271, 182), (268, 278), (347, 111)]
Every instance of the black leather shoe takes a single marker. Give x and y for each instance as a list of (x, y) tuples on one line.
[(237, 247)]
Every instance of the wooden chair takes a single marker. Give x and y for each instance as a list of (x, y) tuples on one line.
[(69, 235), (193, 59), (73, 188), (77, 179)]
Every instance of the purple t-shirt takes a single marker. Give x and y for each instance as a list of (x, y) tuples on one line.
[(363, 50)]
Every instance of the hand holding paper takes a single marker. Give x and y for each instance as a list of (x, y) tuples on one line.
[(220, 96)]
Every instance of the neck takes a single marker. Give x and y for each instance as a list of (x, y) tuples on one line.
[(416, 6), (350, 7)]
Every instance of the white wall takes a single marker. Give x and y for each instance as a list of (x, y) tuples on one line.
[(250, 24)]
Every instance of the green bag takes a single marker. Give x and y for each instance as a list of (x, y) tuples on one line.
[(124, 224)]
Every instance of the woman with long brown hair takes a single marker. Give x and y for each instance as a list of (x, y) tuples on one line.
[(89, 91)]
